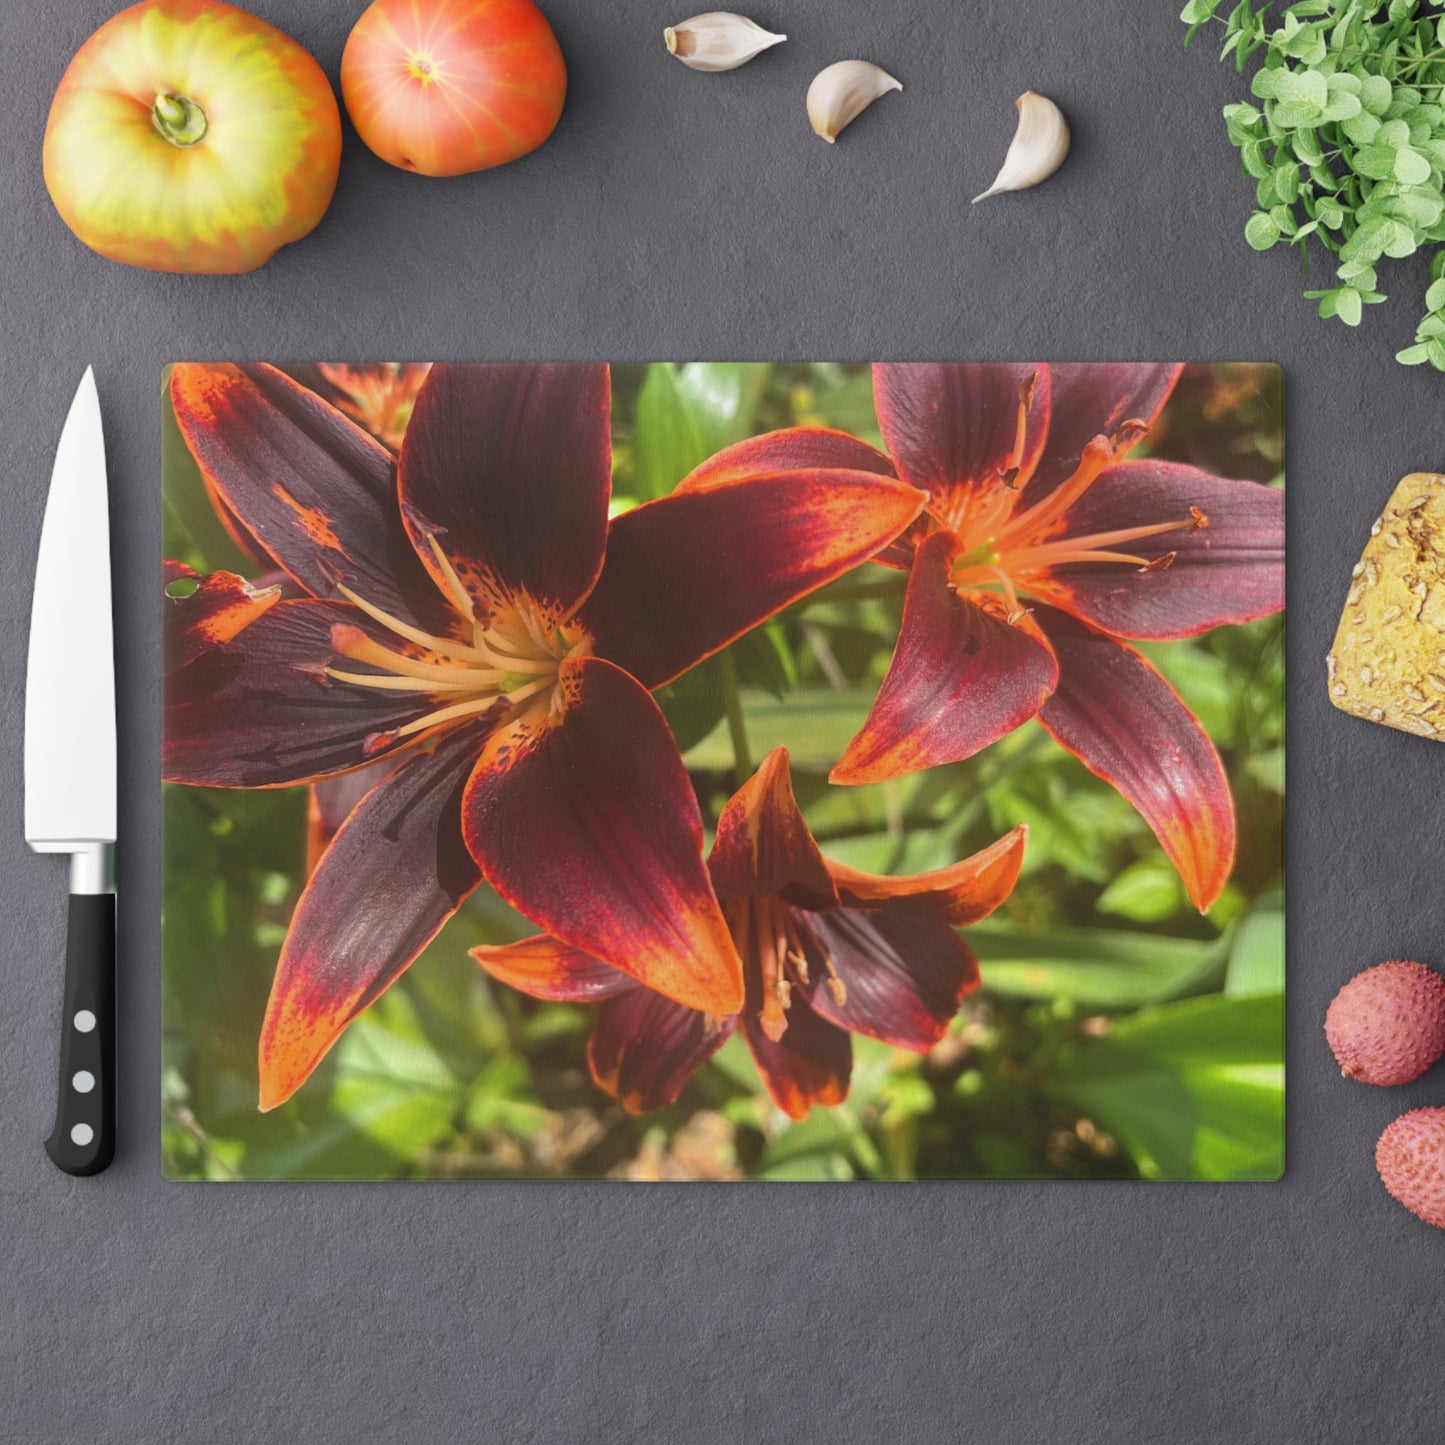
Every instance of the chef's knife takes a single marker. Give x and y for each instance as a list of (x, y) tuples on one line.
[(70, 773)]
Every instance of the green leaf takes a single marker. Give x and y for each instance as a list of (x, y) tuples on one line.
[(1147, 892), (1193, 1090), (1260, 231), (815, 724), (685, 415), (669, 440), (1348, 306), (1256, 959), (1435, 296), (1094, 967), (1413, 355), (1411, 168), (1375, 94)]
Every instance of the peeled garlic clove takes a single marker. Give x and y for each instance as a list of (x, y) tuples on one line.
[(1038, 148), (842, 92), (718, 40)]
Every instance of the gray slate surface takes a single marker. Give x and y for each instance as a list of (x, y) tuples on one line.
[(681, 215)]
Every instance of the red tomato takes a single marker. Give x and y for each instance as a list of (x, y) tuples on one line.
[(187, 135), (443, 87)]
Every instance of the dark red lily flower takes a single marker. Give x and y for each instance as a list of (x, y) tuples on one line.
[(827, 951), (471, 617), (1040, 549)]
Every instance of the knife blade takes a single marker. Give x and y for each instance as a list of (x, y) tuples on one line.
[(70, 772)]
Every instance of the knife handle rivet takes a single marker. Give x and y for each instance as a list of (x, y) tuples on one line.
[(81, 1134), (83, 1082), (85, 1021)]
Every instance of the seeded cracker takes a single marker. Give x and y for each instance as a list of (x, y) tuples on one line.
[(1388, 661)]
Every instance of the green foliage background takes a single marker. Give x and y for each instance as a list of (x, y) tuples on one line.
[(1118, 1034)]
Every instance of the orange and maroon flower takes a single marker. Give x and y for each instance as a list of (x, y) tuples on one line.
[(1040, 549), (470, 618), (826, 950)]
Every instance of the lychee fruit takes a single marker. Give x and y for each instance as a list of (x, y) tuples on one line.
[(1387, 1024), (1411, 1159)]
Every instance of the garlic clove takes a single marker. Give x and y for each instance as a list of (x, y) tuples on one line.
[(1038, 148), (718, 40), (842, 92)]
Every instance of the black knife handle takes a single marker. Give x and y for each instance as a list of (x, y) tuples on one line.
[(84, 1138)]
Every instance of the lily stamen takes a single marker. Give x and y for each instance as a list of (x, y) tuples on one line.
[(448, 645), (460, 598)]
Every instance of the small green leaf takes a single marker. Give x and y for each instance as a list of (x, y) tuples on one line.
[(1260, 231)]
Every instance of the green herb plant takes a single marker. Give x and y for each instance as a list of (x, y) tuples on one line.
[(1347, 144)]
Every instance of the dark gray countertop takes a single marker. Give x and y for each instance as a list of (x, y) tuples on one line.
[(682, 215)]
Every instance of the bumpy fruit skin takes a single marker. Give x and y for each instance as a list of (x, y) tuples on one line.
[(443, 87), (261, 174), (1387, 1024), (1411, 1159)]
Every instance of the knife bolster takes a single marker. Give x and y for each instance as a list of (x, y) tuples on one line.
[(92, 869)]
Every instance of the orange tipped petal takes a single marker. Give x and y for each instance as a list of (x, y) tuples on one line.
[(960, 894), (544, 968), (763, 844), (1125, 723), (961, 677), (794, 449), (395, 872), (584, 820), (316, 491), (812, 1063), (687, 574), (218, 607)]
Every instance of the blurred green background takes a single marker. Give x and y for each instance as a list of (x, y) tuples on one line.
[(1117, 1035)]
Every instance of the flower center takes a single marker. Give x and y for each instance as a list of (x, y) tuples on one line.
[(511, 660), (1000, 551), (773, 938)]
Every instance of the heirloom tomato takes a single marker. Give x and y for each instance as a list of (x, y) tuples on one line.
[(443, 87), (189, 135)]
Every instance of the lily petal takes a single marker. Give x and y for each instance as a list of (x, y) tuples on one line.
[(898, 977), (960, 894), (1115, 713), (587, 824), (811, 1064), (793, 449), (317, 493), (1091, 399), (952, 427), (331, 803), (210, 614), (644, 1048), (261, 713), (395, 872), (691, 572), (510, 469), (1230, 570), (544, 968), (763, 844), (961, 677)]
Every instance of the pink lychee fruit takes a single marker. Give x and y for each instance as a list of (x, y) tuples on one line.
[(1411, 1159), (1387, 1024)]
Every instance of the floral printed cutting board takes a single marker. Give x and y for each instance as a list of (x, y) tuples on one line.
[(723, 771)]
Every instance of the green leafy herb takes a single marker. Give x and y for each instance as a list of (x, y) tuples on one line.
[(1346, 144)]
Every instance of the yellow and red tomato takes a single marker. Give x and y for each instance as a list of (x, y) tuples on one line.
[(189, 135), (443, 87)]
